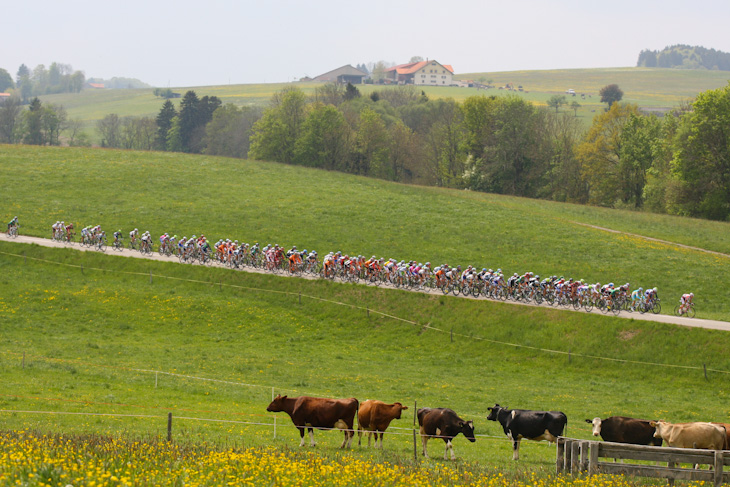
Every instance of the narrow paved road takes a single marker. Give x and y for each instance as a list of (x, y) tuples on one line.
[(699, 323)]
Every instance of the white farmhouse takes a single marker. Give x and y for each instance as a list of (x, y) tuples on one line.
[(430, 73)]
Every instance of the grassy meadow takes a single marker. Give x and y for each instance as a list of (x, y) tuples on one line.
[(90, 340), (97, 349), (329, 211), (646, 87)]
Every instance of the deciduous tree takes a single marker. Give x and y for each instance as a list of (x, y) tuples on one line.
[(556, 101), (611, 94), (702, 158)]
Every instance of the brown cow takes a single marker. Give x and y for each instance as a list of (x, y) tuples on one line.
[(443, 423), (321, 413), (375, 416), (704, 436), (621, 429)]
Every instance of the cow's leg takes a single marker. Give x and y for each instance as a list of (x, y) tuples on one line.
[(349, 435), (359, 435), (424, 439), (301, 433), (449, 447), (515, 449), (381, 440), (311, 437)]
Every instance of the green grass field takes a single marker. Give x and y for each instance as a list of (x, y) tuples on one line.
[(89, 340), (645, 87), (329, 211), (125, 341)]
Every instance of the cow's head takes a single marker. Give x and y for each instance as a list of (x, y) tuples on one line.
[(596, 422), (277, 404), (493, 412), (399, 408), (467, 429), (658, 427)]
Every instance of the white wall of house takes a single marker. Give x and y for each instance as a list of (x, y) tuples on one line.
[(433, 74)]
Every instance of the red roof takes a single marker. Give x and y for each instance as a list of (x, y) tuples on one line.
[(411, 68)]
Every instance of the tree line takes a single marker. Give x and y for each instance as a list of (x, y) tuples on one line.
[(678, 164), (684, 56), (57, 78)]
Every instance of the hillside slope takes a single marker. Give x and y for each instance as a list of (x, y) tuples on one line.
[(275, 203)]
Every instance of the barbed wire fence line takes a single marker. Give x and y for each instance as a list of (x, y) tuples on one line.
[(299, 296), (369, 310)]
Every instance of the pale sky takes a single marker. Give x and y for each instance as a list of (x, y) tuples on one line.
[(185, 43)]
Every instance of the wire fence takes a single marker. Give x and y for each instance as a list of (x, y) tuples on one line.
[(400, 431), (299, 295), (369, 310)]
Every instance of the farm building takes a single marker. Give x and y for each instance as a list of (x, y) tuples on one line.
[(421, 73), (345, 74)]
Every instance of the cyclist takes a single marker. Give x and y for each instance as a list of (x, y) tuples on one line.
[(685, 302), (133, 238), (56, 230), (13, 224), (637, 298), (117, 238), (295, 260), (650, 295)]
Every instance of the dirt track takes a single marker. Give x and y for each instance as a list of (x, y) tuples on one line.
[(662, 318)]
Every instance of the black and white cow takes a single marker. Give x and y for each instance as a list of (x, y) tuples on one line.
[(533, 425), (621, 429)]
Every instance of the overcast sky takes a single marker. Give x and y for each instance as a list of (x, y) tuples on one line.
[(194, 43)]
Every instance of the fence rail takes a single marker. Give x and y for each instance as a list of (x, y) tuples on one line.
[(580, 457)]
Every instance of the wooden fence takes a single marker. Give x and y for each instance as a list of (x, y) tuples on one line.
[(581, 457)]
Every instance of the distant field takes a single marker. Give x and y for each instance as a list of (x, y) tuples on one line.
[(329, 211), (642, 86)]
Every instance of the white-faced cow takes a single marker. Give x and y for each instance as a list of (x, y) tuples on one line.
[(621, 429), (706, 436), (443, 423), (375, 417), (533, 425), (315, 412)]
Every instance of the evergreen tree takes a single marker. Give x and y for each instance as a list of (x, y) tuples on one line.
[(164, 123), (188, 119)]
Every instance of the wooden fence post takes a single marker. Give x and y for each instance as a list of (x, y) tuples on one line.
[(415, 443), (272, 398), (560, 455), (583, 456), (718, 468), (169, 426), (593, 458), (574, 457)]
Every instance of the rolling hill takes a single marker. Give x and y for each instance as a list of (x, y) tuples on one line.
[(123, 342)]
